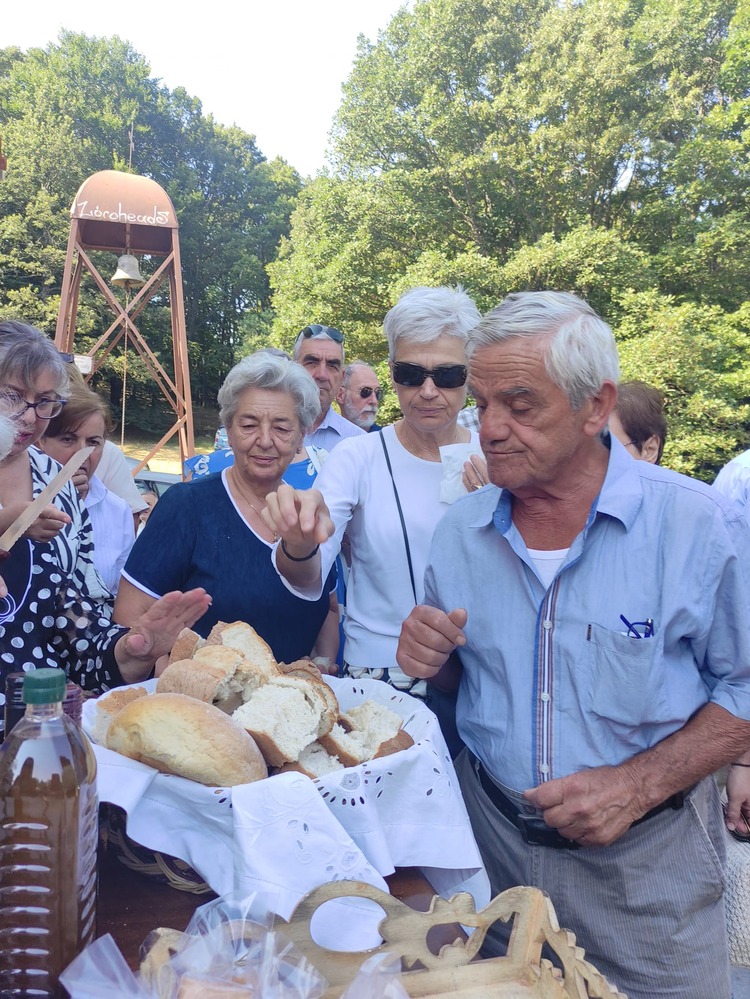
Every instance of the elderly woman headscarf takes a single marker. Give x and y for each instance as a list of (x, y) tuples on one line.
[(51, 614), (384, 489), (210, 532)]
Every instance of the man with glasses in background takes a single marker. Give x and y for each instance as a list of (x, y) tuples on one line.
[(320, 351), (360, 395)]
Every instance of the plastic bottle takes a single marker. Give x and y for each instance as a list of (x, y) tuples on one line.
[(15, 707), (48, 841)]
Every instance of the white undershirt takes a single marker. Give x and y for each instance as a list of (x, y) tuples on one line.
[(547, 563)]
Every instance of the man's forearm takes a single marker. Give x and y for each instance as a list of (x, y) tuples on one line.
[(712, 738)]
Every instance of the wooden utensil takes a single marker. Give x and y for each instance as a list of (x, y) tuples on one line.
[(30, 514)]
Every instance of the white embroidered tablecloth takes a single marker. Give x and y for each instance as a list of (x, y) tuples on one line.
[(285, 835)]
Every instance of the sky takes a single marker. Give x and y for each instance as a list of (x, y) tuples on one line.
[(274, 68)]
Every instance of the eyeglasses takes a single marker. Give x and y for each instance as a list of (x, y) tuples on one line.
[(639, 629), (15, 405), (414, 375), (316, 330), (365, 392)]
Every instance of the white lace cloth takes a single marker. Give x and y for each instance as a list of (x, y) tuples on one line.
[(285, 835)]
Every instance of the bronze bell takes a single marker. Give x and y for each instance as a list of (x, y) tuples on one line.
[(127, 274)]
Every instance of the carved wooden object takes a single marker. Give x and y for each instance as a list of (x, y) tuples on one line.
[(454, 971)]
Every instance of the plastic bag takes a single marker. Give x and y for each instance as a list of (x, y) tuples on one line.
[(100, 972), (378, 978), (231, 940), (229, 943)]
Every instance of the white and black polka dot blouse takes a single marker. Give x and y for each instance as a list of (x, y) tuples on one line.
[(58, 611)]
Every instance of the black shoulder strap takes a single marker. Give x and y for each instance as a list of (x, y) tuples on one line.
[(401, 516)]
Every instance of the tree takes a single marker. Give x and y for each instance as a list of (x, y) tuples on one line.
[(597, 146), (65, 113)]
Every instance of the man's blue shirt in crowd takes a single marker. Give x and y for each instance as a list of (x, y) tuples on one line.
[(554, 680)]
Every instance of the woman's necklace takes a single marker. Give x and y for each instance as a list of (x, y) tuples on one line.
[(252, 506), (260, 517)]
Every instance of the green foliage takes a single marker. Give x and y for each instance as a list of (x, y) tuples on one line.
[(697, 355), (596, 146), (65, 113)]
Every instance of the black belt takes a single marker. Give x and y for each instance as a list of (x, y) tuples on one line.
[(533, 828)]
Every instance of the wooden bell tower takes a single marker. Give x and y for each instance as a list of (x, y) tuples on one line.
[(126, 214)]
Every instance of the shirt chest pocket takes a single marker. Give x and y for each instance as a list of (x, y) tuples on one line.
[(625, 677)]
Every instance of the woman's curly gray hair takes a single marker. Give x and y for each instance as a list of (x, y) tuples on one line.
[(271, 369)]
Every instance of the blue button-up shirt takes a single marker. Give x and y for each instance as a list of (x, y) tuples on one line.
[(553, 682), (334, 429)]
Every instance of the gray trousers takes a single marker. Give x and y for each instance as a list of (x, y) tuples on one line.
[(648, 909)]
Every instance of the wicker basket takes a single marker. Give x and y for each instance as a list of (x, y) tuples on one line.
[(165, 868)]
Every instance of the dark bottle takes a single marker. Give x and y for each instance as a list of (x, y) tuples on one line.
[(48, 840)]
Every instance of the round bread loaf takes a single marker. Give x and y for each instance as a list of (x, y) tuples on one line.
[(180, 735)]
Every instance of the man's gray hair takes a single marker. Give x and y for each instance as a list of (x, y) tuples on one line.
[(25, 352), (582, 352), (268, 369), (351, 368), (422, 315)]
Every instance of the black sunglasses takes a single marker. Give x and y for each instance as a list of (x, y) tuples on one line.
[(366, 392), (414, 375), (316, 330)]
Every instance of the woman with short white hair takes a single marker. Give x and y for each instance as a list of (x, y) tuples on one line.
[(211, 532), (387, 490)]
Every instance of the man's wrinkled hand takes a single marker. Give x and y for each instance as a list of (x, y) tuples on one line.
[(428, 636), (593, 807), (737, 811)]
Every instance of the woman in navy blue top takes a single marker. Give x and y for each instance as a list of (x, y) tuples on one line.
[(211, 533)]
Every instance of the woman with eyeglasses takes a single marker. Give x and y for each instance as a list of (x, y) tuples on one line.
[(52, 601), (386, 490)]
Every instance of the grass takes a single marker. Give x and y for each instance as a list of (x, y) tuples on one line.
[(138, 444)]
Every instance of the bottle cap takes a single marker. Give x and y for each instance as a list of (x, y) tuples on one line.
[(44, 686)]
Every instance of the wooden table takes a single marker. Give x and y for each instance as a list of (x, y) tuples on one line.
[(130, 905)]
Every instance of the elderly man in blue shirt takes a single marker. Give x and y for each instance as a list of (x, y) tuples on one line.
[(596, 610)]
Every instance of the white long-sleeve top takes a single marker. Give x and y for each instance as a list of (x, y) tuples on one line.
[(358, 491), (112, 523)]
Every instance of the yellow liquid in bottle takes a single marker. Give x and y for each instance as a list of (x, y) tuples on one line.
[(48, 841)]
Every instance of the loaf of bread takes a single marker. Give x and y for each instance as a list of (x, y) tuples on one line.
[(281, 720), (106, 708), (245, 640), (225, 670), (180, 735), (213, 678), (313, 762), (186, 645), (365, 732), (288, 709)]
